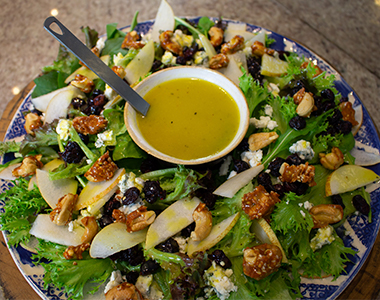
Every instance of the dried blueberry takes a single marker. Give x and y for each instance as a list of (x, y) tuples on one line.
[(186, 232), (131, 277), (130, 196), (105, 220), (169, 246), (243, 146), (294, 159), (279, 189), (282, 54), (84, 137), (336, 117), (157, 64), (240, 166), (134, 256), (328, 94), (264, 179), (344, 127), (72, 154), (361, 205), (275, 165), (221, 259), (188, 52), (296, 187), (337, 199), (149, 165), (254, 68), (180, 60), (343, 99), (110, 205), (206, 196), (327, 105), (297, 123), (153, 191), (149, 267), (78, 102)]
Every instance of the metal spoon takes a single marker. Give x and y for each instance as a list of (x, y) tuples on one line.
[(94, 63)]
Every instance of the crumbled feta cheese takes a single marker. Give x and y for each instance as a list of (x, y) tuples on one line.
[(70, 226), (220, 281), (127, 209), (324, 236), (199, 57), (268, 110), (110, 93), (307, 205), (115, 280), (272, 125), (264, 122), (103, 137), (182, 243), (130, 180), (273, 88), (167, 58), (143, 284), (63, 129), (224, 167), (117, 58), (303, 149), (183, 39), (100, 43), (253, 158)]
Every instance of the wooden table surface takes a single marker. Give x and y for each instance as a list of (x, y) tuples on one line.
[(366, 285)]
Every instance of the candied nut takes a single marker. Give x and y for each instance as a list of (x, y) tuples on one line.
[(234, 45), (259, 203), (124, 291), (305, 107), (32, 121), (139, 219), (261, 261), (89, 124), (75, 252), (203, 222), (83, 83), (302, 173), (28, 166), (94, 50), (333, 160), (119, 216), (297, 97), (92, 229), (169, 43), (348, 112), (219, 61), (132, 41), (325, 214), (259, 49), (61, 215), (216, 36), (260, 140), (103, 169), (120, 71), (318, 69)]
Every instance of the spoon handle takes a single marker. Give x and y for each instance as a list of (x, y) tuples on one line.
[(94, 63)]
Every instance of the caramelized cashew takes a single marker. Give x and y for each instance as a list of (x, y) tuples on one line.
[(333, 160), (139, 219), (83, 83), (124, 291), (32, 121), (325, 214), (28, 166), (91, 229), (260, 140), (203, 222), (61, 215)]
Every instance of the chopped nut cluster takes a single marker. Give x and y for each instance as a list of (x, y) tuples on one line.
[(259, 49), (140, 219), (216, 36), (124, 291), (168, 43), (32, 121), (259, 203), (89, 124), (302, 173), (218, 61), (203, 222), (333, 160), (75, 252), (319, 70), (305, 102), (61, 215), (234, 45), (260, 140), (91, 227), (348, 112), (119, 216), (29, 166), (261, 261), (325, 214), (132, 41), (120, 71), (103, 169), (83, 83)]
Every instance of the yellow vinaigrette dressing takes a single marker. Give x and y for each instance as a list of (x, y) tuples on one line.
[(189, 118)]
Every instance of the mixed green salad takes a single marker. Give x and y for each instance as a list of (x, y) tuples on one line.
[(102, 212)]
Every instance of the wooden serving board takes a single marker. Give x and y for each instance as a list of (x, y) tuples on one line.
[(366, 285)]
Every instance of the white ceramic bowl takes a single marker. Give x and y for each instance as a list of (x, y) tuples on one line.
[(188, 72)]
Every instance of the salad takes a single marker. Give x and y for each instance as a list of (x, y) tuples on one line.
[(102, 215)]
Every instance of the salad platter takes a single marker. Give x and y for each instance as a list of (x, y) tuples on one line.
[(356, 233)]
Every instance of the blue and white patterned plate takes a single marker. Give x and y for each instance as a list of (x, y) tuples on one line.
[(362, 234)]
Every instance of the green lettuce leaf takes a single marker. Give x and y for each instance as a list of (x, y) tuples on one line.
[(8, 147)]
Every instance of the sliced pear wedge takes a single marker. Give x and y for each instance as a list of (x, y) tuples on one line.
[(6, 173), (53, 190), (164, 20), (218, 232), (41, 103), (51, 165), (94, 191), (265, 234), (171, 221), (44, 228), (115, 238), (230, 187), (272, 66)]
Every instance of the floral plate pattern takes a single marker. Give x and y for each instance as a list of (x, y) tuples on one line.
[(356, 233)]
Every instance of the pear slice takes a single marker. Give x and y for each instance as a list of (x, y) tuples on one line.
[(53, 190), (94, 191), (273, 66), (141, 64), (265, 234), (6, 173), (44, 228), (171, 221), (230, 187), (218, 232), (41, 103), (51, 165), (164, 20), (115, 238)]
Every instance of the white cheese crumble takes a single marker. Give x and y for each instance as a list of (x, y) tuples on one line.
[(110, 93), (167, 58), (63, 129), (130, 180), (103, 138), (199, 57), (268, 110), (127, 209), (117, 58), (183, 39), (302, 213), (115, 280), (143, 284), (303, 149), (100, 44), (324, 236), (253, 158), (220, 281), (182, 243), (273, 88), (308, 205), (264, 122)]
